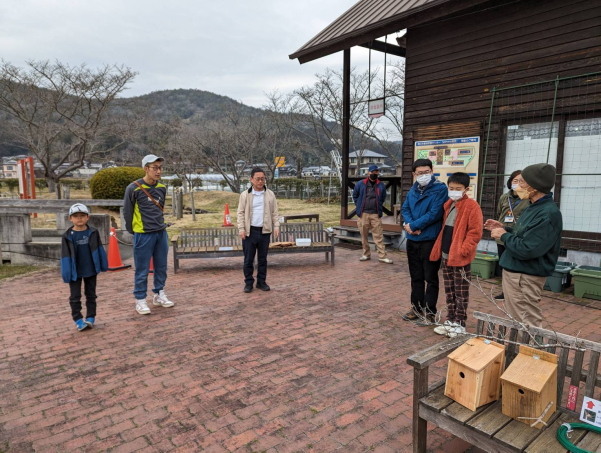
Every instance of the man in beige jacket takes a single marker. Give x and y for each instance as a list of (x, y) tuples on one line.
[(258, 217)]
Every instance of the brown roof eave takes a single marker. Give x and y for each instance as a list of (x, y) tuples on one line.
[(384, 27)]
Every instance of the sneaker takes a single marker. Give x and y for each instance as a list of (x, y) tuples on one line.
[(445, 328), (161, 299), (410, 316), (81, 325), (427, 320), (365, 258), (142, 307), (500, 296), (385, 260), (454, 331), (90, 322)]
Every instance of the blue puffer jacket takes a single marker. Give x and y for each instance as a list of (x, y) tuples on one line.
[(423, 209), (68, 264), (359, 195)]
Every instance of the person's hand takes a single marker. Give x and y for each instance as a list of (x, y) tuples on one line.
[(416, 232), (242, 234), (496, 233), (491, 224), (407, 228), (276, 232)]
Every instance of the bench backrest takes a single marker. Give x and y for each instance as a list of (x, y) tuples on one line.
[(578, 358), (208, 237), (289, 232)]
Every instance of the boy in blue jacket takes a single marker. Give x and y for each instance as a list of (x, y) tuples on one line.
[(422, 221), (82, 259)]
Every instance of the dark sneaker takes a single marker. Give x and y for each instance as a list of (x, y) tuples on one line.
[(500, 296), (263, 286), (248, 288), (81, 325), (428, 320), (410, 316), (90, 322)]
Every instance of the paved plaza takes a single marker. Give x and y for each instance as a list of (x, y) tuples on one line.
[(318, 364)]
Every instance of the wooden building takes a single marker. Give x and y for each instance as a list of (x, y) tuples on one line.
[(524, 76)]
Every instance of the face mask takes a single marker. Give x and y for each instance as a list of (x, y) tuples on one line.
[(455, 194), (514, 186), (373, 177), (522, 193), (423, 180)]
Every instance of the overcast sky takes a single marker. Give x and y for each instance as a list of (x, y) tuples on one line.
[(236, 48)]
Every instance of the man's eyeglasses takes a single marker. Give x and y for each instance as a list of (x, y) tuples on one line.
[(155, 168), (260, 179), (420, 173)]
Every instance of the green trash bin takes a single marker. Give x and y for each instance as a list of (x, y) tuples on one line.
[(484, 264), (556, 282), (587, 282)]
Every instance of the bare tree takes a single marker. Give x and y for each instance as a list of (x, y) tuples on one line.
[(317, 109), (60, 111)]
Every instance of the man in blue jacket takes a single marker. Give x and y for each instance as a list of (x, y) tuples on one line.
[(422, 220), (369, 195)]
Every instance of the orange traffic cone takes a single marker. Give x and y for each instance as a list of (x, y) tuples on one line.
[(227, 219), (115, 263), (151, 268)]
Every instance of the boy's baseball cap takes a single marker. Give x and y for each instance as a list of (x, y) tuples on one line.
[(150, 158), (78, 207), (373, 168)]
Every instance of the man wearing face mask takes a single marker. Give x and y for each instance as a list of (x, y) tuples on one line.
[(422, 220), (531, 246), (369, 195)]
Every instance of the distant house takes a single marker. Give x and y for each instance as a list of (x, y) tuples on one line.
[(363, 159), (9, 168)]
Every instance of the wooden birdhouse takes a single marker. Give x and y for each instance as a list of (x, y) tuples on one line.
[(529, 386), (473, 372)]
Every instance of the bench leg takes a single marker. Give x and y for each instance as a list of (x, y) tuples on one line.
[(420, 426), (175, 263)]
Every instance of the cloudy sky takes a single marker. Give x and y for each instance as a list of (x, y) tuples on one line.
[(237, 48)]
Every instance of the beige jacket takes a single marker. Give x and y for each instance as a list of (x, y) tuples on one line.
[(271, 217)]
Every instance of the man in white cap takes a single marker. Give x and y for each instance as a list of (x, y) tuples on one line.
[(531, 246), (144, 201)]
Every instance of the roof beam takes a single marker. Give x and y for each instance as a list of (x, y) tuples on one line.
[(387, 48)]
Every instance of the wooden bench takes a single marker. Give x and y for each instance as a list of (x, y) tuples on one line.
[(487, 428), (309, 217), (223, 242)]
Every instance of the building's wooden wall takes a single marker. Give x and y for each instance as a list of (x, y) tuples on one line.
[(452, 66)]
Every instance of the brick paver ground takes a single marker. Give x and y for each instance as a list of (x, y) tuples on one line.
[(316, 365)]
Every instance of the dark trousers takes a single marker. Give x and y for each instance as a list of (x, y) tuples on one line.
[(500, 251), (255, 244), (89, 284), (424, 276)]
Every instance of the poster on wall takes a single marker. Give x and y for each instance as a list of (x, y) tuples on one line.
[(451, 155)]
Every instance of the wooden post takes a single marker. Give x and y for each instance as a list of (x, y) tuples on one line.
[(420, 426)]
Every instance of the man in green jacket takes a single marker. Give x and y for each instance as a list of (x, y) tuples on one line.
[(531, 246)]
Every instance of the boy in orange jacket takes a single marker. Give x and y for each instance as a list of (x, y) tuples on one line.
[(456, 244)]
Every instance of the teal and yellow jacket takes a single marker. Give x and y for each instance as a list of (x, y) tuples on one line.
[(140, 213)]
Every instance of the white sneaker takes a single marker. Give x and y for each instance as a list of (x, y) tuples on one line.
[(142, 307), (365, 258), (161, 299), (445, 328), (454, 331), (385, 260)]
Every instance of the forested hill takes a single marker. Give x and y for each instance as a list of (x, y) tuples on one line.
[(185, 104)]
